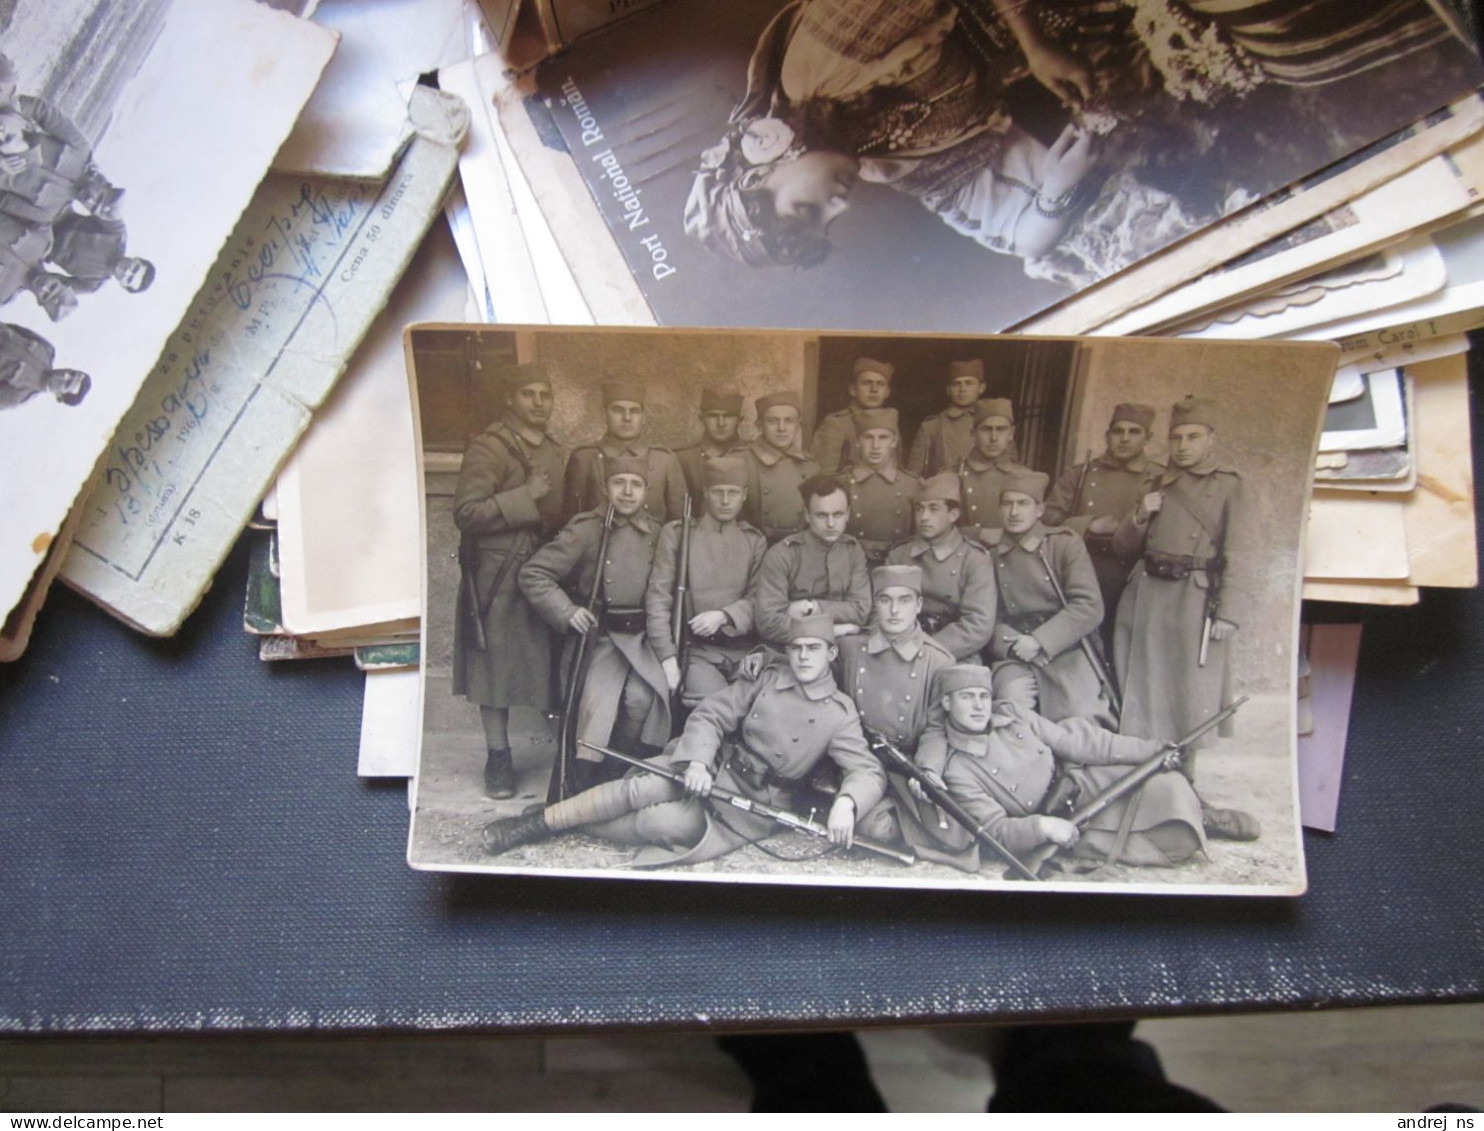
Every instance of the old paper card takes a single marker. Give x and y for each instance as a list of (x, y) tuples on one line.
[(348, 505), (137, 134), (789, 638), (295, 289)]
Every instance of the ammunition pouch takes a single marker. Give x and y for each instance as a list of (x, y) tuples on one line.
[(1061, 797), (624, 620), (1100, 545), (1177, 567), (1026, 623)]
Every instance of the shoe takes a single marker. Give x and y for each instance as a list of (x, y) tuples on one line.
[(512, 832), (499, 775), (1230, 824)]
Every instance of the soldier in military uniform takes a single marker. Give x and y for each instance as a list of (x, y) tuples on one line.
[(505, 506), (880, 492), (947, 437), (624, 699), (998, 760), (821, 569), (90, 250), (721, 412), (776, 466), (958, 587), (1093, 497), (26, 369), (587, 471), (1187, 596), (834, 446), (1037, 626), (759, 737), (984, 471), (725, 555)]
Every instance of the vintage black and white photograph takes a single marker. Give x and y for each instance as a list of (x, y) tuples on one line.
[(811, 607), (132, 135), (960, 166)]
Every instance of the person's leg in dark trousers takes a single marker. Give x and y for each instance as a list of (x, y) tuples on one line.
[(805, 1071), (1095, 1067)]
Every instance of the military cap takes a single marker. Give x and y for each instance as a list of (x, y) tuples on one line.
[(527, 373), (721, 400), (1032, 483), (944, 486), (961, 677), (1195, 410), (901, 576), (1140, 414), (820, 626), (868, 418), (994, 406), (974, 368), (616, 390), (724, 471), (784, 397), (627, 465), (871, 365)]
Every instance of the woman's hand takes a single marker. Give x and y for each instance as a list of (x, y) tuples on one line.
[(1068, 161)]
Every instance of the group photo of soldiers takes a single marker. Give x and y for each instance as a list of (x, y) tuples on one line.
[(62, 238), (907, 610)]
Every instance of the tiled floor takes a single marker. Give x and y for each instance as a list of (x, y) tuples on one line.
[(1395, 1059)]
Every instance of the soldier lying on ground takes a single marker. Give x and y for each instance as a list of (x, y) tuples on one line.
[(761, 738), (999, 760)]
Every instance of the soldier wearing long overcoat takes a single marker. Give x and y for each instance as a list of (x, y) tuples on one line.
[(1192, 585), (834, 446), (506, 504), (945, 438), (983, 472), (880, 492), (776, 467), (721, 413), (725, 555), (624, 699), (585, 486), (1095, 496), (959, 598), (1036, 626), (821, 569), (998, 760), (760, 737)]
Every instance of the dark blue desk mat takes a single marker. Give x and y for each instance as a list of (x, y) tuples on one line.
[(184, 846)]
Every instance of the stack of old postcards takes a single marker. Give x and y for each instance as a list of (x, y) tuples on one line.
[(218, 221)]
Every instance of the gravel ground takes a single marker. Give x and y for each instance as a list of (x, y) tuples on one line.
[(1250, 771)]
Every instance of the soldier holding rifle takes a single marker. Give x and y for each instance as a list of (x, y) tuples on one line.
[(717, 617), (1187, 596), (998, 760), (623, 698), (958, 586), (1050, 606), (506, 504), (760, 738)]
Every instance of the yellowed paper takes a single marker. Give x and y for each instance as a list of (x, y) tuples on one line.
[(297, 286)]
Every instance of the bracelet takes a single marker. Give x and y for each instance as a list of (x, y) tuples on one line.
[(1057, 207)]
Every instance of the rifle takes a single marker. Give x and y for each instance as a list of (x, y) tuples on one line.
[(1168, 758), (1099, 668), (784, 817), (678, 634), (473, 612), (884, 749), (566, 756), (1081, 484)]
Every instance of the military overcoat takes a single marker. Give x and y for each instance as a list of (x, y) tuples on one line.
[(586, 488), (1024, 568), (804, 566), (774, 504), (1204, 522), (501, 526), (958, 586)]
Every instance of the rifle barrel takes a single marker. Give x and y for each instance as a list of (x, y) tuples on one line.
[(747, 804)]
